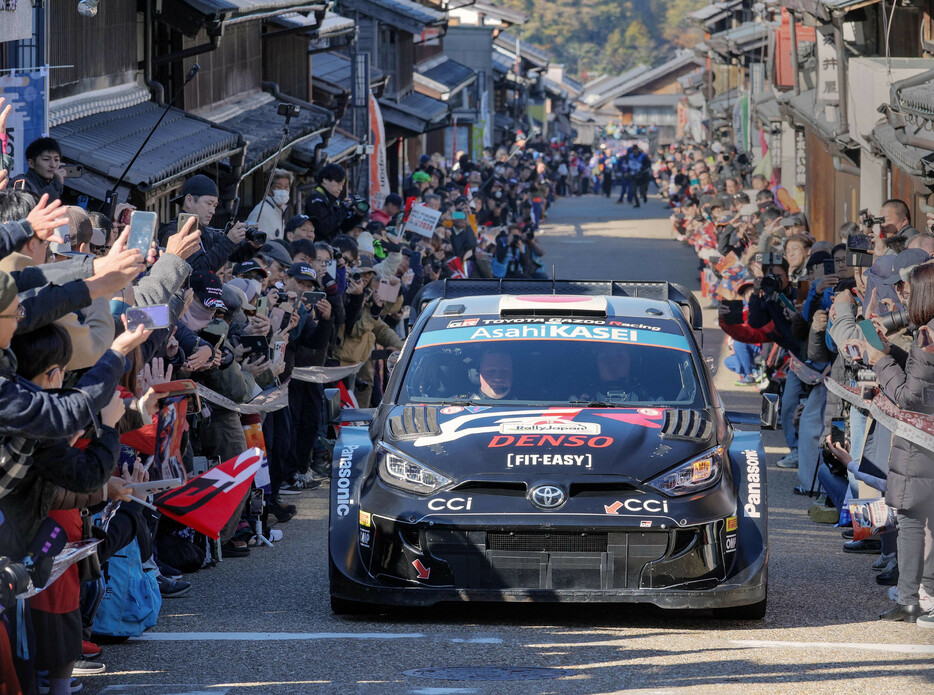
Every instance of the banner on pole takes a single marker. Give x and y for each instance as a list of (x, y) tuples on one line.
[(379, 172)]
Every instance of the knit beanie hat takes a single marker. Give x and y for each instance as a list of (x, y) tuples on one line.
[(8, 290)]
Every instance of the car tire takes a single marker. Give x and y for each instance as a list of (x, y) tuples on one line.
[(754, 611), (341, 606)]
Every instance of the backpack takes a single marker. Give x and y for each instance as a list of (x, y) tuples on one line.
[(131, 600)]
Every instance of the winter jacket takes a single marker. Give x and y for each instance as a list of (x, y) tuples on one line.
[(271, 221), (326, 214), (13, 235), (903, 378), (55, 466), (216, 247), (37, 185)]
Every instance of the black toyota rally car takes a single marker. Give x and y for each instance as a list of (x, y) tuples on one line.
[(550, 441)]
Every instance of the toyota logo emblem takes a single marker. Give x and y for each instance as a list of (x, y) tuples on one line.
[(547, 496)]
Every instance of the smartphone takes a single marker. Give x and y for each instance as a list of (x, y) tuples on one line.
[(387, 291), (142, 230), (787, 303), (872, 337), (804, 287), (183, 218), (278, 352), (215, 332), (830, 267), (332, 269), (262, 307), (278, 318), (309, 299), (838, 431), (257, 345), (73, 171), (854, 353), (150, 317), (151, 486), (859, 242), (735, 315)]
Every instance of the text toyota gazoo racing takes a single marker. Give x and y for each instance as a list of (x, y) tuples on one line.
[(549, 447)]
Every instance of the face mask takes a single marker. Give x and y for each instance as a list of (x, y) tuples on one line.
[(198, 316), (280, 196)]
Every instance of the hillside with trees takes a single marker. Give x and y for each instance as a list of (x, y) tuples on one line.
[(608, 36)]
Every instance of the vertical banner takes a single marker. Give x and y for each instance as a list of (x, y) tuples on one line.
[(741, 124), (26, 92), (379, 174)]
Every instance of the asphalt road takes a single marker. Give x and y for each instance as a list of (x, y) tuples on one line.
[(262, 624)]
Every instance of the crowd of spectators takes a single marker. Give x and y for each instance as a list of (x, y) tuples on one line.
[(326, 283), (802, 316)]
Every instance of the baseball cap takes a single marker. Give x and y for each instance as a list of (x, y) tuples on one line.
[(296, 222), (365, 265), (302, 271), (208, 289), (904, 263), (277, 252), (794, 219), (421, 177), (235, 298), (197, 185), (250, 266)]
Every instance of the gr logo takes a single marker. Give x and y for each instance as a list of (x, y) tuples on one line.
[(453, 504)]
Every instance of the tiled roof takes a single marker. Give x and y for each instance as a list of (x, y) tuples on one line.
[(449, 75), (106, 142), (261, 127)]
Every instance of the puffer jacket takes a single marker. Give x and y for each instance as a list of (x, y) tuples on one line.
[(903, 378)]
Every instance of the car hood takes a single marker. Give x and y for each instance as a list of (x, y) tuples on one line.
[(479, 441)]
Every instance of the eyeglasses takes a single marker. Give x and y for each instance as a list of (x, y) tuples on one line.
[(18, 316)]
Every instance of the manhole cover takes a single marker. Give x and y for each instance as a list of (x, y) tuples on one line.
[(489, 673)]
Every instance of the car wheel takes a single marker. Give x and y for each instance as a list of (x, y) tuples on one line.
[(754, 611), (341, 606)]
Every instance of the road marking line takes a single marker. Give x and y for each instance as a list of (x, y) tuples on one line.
[(270, 636), (893, 648), (478, 640)]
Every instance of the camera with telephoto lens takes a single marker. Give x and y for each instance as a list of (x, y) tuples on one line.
[(895, 320), (771, 286), (356, 275), (254, 236), (14, 580), (867, 220)]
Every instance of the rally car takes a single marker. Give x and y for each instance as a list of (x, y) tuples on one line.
[(550, 441)]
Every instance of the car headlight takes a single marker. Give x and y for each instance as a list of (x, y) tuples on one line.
[(398, 470), (694, 475)]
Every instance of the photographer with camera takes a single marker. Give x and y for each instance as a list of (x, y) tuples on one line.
[(199, 197), (908, 378), (323, 207)]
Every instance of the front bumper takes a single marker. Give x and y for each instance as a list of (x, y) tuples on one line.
[(688, 567)]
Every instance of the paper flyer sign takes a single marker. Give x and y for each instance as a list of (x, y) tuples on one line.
[(422, 220)]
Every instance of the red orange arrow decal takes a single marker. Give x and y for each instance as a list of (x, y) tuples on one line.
[(423, 571), (613, 508)]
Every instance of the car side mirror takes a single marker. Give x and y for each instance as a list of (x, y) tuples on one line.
[(333, 399), (768, 416)]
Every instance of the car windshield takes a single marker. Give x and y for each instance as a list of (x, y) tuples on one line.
[(544, 362)]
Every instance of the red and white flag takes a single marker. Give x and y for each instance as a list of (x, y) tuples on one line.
[(207, 503)]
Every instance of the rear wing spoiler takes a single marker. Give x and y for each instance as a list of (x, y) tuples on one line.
[(661, 291)]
